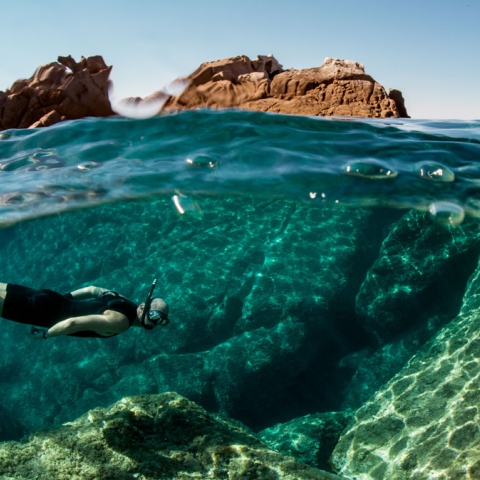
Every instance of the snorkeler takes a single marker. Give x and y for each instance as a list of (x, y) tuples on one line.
[(87, 312)]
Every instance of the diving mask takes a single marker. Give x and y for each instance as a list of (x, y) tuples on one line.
[(154, 316)]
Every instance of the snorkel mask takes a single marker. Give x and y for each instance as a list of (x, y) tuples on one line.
[(154, 316)]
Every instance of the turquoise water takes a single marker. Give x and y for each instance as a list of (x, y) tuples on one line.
[(305, 260), (400, 163)]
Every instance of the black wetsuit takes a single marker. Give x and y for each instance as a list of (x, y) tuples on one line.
[(45, 308)]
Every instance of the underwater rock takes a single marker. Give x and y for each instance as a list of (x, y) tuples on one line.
[(149, 436), (63, 90), (424, 423), (420, 275), (262, 305), (310, 439), (412, 290), (338, 87), (10, 428)]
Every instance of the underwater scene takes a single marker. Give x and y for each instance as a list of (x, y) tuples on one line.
[(322, 278)]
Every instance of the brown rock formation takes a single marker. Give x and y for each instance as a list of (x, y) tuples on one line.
[(62, 90), (338, 87), (66, 90)]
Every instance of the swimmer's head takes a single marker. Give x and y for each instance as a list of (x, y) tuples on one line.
[(157, 314)]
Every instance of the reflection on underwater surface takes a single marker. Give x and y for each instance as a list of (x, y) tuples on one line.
[(284, 304)]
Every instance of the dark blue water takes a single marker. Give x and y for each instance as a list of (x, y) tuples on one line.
[(305, 260)]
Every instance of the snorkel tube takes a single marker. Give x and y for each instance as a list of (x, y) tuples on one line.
[(146, 308)]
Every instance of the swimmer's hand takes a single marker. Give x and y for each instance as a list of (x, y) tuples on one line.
[(86, 293), (38, 333)]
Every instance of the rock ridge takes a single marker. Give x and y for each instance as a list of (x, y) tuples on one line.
[(338, 87), (68, 90)]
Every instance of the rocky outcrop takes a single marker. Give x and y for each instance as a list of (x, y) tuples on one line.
[(63, 90), (150, 436), (338, 87), (67, 90)]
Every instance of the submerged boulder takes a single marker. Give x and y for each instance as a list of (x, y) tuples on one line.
[(310, 439), (149, 436), (414, 288), (420, 274)]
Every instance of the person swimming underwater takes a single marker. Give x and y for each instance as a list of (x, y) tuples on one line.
[(87, 312)]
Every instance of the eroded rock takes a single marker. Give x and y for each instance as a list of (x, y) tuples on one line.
[(338, 87), (63, 90), (149, 436), (67, 89)]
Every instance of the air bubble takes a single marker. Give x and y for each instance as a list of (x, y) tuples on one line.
[(436, 172), (202, 161), (446, 213), (42, 154), (370, 169), (46, 159)]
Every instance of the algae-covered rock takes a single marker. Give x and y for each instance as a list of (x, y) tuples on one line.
[(149, 437), (424, 423)]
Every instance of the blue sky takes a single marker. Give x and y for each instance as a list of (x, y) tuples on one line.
[(428, 49)]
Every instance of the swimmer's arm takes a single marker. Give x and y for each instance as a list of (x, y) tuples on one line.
[(87, 292), (107, 324)]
